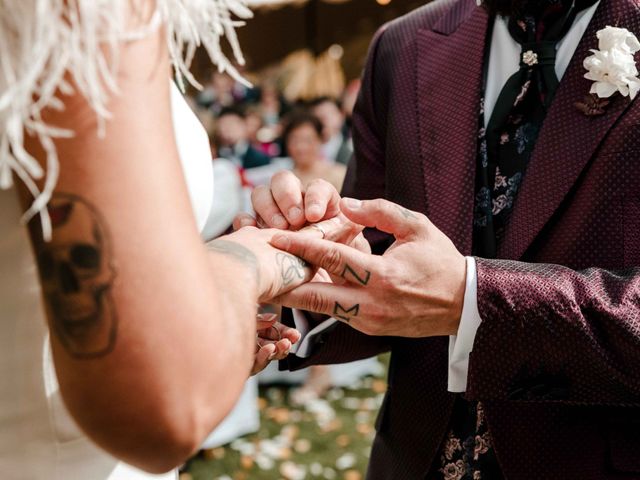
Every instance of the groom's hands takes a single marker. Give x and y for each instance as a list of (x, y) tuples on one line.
[(416, 289)]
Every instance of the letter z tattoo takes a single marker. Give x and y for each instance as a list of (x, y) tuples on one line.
[(362, 280), (345, 314)]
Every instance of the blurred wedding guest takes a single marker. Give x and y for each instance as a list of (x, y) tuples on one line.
[(221, 92), (303, 141), (271, 103), (262, 137), (233, 143), (254, 123), (337, 145)]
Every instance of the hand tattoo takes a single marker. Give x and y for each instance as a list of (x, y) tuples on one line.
[(361, 280), (77, 276), (291, 268), (406, 213), (343, 313)]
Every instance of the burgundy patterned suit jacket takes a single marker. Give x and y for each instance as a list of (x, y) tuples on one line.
[(556, 360)]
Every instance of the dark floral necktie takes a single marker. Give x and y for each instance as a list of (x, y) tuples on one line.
[(507, 143)]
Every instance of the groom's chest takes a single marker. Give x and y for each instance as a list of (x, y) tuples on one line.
[(584, 203)]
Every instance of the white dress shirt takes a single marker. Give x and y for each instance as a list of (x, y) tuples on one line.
[(504, 61)]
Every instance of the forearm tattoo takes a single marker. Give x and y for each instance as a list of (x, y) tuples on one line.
[(292, 268), (77, 276), (361, 279), (345, 314), (238, 252)]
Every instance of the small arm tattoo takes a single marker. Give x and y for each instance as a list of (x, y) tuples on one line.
[(77, 275), (238, 252), (362, 280), (345, 314)]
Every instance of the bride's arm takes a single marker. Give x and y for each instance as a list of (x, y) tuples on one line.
[(153, 334)]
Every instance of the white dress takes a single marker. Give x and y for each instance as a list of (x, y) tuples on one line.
[(38, 438)]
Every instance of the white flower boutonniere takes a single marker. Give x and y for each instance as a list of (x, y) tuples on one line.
[(613, 67)]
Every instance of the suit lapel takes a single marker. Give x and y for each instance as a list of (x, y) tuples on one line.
[(568, 140), (449, 84)]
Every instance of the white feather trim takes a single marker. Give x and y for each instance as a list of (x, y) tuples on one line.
[(43, 40)]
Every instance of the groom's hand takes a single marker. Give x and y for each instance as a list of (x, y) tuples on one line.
[(285, 204), (416, 289)]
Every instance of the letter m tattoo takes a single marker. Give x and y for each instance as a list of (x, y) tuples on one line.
[(345, 314)]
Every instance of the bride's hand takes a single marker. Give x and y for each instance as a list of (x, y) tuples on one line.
[(278, 272), (273, 341), (286, 204)]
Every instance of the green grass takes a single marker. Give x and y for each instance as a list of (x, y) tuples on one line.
[(328, 439)]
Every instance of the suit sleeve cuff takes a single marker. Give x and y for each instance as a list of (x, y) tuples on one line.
[(304, 347), (460, 345)]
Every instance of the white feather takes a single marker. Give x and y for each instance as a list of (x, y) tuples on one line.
[(41, 41)]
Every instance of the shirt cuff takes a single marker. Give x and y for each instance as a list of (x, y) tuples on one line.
[(304, 347), (460, 345)]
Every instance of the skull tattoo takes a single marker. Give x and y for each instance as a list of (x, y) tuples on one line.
[(77, 277)]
